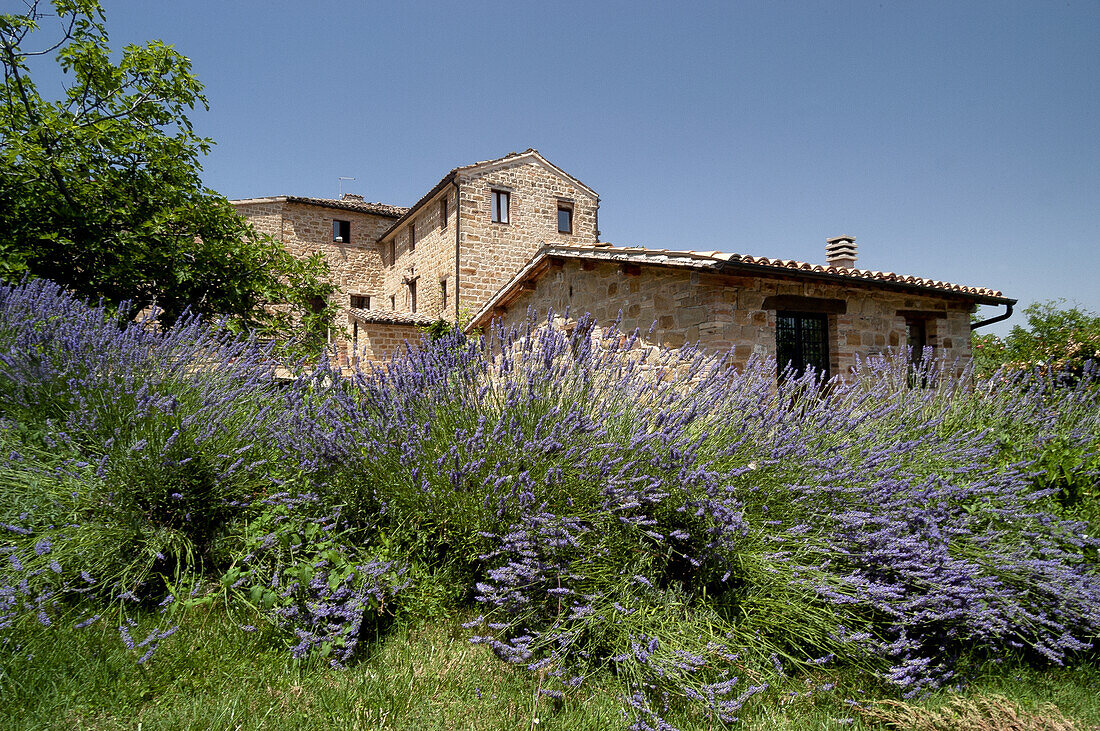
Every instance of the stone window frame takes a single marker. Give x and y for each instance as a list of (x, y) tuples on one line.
[(359, 301), (411, 284), (499, 213), (443, 213), (341, 231), (566, 206)]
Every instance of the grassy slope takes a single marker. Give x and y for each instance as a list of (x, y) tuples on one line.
[(211, 675)]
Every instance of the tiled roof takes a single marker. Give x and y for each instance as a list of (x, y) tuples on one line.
[(720, 261), (660, 256), (391, 318), (378, 209)]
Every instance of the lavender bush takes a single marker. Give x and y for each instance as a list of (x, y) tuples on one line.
[(130, 450), (656, 514), (658, 518)]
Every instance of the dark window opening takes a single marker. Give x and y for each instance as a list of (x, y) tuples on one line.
[(360, 301), (341, 231), (443, 213), (412, 237), (412, 296), (802, 342), (916, 337), (393, 303), (565, 218), (443, 292), (500, 206)]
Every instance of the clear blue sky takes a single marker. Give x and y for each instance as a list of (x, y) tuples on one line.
[(954, 140)]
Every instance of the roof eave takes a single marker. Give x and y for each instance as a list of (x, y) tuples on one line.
[(424, 200)]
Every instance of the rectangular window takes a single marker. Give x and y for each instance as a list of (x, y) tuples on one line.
[(412, 236), (500, 206), (802, 342), (341, 231), (412, 296), (443, 293), (565, 218), (916, 337), (393, 303), (360, 301), (443, 214)]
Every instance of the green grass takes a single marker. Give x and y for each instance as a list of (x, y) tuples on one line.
[(424, 676)]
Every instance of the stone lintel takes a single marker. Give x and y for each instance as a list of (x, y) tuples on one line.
[(799, 303)]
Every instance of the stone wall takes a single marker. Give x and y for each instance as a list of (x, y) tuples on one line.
[(355, 265), (490, 253), (376, 341), (723, 312), (430, 264)]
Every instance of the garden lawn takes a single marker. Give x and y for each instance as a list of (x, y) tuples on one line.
[(425, 676)]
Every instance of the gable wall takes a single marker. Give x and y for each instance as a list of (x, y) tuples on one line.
[(490, 253), (723, 312)]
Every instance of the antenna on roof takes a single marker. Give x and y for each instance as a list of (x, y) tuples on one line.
[(340, 186)]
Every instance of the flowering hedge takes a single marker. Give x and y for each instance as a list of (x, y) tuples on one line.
[(661, 519)]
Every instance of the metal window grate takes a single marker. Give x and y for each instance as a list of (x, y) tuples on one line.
[(802, 341)]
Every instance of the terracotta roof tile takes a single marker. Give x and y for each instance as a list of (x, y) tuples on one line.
[(664, 255)]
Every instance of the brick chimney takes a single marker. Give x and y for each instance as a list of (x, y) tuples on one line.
[(352, 198), (840, 251)]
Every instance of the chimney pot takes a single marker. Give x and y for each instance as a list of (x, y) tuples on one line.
[(840, 251)]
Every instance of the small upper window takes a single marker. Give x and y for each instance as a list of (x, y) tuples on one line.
[(500, 206), (393, 302), (443, 213), (360, 301), (341, 231), (565, 218), (412, 236), (412, 296)]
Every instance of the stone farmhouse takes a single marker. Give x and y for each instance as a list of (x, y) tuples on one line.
[(493, 239)]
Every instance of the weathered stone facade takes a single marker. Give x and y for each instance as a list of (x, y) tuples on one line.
[(494, 239), (374, 341), (305, 227), (491, 253), (672, 307)]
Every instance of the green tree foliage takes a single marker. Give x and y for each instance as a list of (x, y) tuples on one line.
[(100, 189), (1057, 337)]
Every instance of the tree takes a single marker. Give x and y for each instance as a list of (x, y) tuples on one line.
[(100, 190), (1056, 337)]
